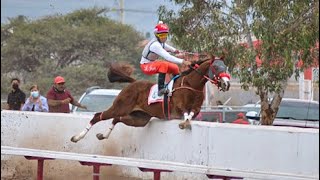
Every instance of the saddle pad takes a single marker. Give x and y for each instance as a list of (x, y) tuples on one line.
[(153, 93)]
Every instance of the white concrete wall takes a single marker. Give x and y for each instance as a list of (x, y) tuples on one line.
[(269, 149)]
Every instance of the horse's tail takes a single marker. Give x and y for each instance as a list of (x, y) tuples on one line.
[(120, 73)]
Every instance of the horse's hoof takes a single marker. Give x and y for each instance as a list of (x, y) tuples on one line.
[(188, 126), (100, 136), (73, 139), (181, 126)]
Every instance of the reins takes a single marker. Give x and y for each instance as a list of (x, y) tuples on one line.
[(195, 68), (185, 87)]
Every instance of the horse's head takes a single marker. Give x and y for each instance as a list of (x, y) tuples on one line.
[(218, 75)]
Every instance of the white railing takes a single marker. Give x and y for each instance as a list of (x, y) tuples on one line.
[(150, 164), (254, 151)]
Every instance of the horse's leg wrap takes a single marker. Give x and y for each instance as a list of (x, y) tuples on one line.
[(101, 136), (187, 120), (82, 134), (127, 120), (188, 116), (110, 130), (185, 116), (85, 131)]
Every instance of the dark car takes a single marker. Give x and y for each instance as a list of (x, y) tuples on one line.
[(221, 114), (292, 112)]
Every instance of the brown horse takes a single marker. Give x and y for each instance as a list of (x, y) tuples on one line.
[(131, 107)]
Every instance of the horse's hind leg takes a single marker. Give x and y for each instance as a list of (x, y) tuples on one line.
[(96, 118), (135, 119)]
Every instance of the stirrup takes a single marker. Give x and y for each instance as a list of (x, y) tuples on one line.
[(162, 92)]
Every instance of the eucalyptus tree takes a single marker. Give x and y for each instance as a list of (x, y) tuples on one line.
[(287, 31)]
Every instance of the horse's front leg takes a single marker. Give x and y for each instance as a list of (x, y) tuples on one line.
[(188, 115), (186, 123)]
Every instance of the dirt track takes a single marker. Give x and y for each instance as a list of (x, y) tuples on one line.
[(27, 170)]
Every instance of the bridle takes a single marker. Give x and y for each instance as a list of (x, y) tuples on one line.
[(210, 77)]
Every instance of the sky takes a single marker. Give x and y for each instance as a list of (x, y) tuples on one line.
[(144, 20)]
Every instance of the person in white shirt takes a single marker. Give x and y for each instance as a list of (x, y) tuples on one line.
[(36, 102), (156, 48)]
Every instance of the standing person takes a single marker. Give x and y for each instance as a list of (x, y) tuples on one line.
[(157, 47), (240, 119), (36, 102), (59, 98), (16, 98)]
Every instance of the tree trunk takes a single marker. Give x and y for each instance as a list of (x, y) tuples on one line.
[(266, 112), (269, 110)]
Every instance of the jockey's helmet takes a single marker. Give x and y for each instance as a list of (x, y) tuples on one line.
[(161, 30)]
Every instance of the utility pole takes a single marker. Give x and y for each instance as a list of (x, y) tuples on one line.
[(121, 11)]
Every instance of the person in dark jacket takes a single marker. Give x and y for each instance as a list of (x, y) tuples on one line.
[(16, 98)]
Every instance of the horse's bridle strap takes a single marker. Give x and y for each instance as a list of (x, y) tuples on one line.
[(195, 67), (185, 87)]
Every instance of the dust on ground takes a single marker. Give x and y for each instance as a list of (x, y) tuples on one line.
[(57, 170)]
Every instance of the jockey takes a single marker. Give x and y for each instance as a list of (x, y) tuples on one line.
[(156, 48)]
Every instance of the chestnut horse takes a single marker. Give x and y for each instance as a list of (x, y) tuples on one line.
[(131, 107)]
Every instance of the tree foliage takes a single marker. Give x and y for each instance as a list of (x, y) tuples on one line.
[(287, 31), (78, 46)]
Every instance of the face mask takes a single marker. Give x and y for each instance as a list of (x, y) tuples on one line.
[(35, 94), (15, 86)]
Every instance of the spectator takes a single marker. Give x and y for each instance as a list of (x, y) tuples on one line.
[(16, 98), (36, 102), (240, 119), (59, 98)]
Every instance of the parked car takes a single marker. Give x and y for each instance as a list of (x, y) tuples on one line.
[(96, 99), (221, 114), (292, 112)]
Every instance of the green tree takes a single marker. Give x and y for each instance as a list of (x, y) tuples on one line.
[(288, 31), (78, 46)]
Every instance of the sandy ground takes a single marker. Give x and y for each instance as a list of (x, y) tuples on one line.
[(55, 170)]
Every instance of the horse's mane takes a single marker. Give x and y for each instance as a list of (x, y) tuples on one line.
[(199, 62)]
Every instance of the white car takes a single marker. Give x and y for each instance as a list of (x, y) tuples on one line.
[(292, 112), (96, 99)]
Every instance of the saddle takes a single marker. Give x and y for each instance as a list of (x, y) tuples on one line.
[(153, 93), (164, 99)]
